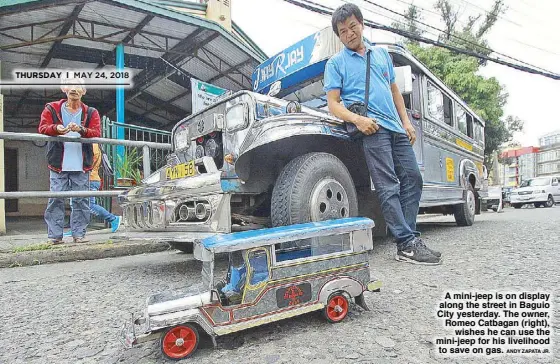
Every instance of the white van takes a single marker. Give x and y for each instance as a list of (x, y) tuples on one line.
[(540, 191)]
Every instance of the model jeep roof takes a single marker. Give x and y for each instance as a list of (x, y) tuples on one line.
[(264, 237)]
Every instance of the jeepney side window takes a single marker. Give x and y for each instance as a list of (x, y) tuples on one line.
[(258, 260), (479, 131), (462, 119), (439, 105), (435, 102), (469, 125), (330, 244)]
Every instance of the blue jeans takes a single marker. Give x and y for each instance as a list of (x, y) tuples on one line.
[(395, 174), (54, 214), (95, 208)]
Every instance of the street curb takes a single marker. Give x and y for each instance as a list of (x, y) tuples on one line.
[(71, 253)]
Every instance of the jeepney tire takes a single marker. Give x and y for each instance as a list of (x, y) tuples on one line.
[(464, 214), (299, 180), (549, 202), (186, 330), (517, 205), (340, 300)]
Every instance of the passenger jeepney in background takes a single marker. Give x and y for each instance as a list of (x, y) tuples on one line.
[(252, 160), (273, 274)]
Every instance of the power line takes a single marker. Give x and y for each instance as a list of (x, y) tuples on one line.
[(455, 36), (425, 40), (487, 12), (463, 23)]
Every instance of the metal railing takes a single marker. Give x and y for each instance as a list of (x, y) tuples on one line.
[(145, 145), (111, 129)]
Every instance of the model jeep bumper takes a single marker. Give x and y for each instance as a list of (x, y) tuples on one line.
[(128, 336)]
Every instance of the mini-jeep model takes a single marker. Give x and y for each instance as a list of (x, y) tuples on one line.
[(273, 274)]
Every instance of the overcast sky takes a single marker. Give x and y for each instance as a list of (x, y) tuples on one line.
[(529, 31)]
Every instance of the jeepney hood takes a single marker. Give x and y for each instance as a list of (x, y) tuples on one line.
[(274, 128), (191, 297)]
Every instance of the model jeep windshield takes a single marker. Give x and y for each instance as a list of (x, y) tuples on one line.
[(252, 160)]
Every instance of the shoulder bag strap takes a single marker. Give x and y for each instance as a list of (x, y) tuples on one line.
[(368, 72)]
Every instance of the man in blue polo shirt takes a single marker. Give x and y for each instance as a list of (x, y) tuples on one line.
[(388, 134)]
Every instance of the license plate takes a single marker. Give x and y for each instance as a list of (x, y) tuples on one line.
[(181, 171)]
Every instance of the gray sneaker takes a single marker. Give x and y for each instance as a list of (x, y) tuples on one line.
[(434, 252), (417, 254)]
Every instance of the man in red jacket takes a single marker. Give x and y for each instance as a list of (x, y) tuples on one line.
[(69, 163)]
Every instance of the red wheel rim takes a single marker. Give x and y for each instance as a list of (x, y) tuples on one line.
[(337, 308), (179, 342)]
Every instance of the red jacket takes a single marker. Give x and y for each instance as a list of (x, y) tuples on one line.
[(55, 150)]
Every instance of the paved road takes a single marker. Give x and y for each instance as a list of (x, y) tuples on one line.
[(71, 312)]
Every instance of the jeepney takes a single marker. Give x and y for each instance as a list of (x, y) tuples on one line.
[(273, 274), (252, 160)]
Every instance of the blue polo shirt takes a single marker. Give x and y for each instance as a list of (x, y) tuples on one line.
[(346, 71)]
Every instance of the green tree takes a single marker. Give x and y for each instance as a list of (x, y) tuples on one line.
[(411, 24), (484, 95)]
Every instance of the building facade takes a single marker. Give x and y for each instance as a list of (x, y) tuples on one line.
[(548, 160), (521, 165)]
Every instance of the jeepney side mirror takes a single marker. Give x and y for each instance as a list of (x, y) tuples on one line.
[(274, 89), (403, 79)]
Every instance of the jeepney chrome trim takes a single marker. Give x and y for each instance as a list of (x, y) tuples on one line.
[(159, 322), (227, 329), (179, 304)]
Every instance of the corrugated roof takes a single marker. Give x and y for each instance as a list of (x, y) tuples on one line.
[(160, 40)]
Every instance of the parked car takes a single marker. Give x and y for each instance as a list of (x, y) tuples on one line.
[(494, 199), (273, 274), (540, 191)]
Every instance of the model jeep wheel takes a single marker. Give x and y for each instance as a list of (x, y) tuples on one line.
[(464, 213), (549, 202), (336, 309), (179, 342), (313, 187)]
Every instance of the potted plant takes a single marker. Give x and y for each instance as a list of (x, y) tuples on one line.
[(128, 168)]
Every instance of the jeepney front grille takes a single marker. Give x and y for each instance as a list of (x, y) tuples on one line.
[(148, 215), (525, 192)]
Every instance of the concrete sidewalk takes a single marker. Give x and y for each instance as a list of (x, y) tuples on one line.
[(26, 244)]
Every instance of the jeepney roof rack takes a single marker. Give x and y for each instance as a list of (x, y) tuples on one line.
[(264, 237)]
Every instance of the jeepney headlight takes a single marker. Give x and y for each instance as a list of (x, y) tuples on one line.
[(182, 139), (211, 148), (237, 117), (293, 107), (199, 153)]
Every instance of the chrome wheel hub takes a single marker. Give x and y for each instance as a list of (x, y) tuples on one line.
[(329, 201)]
